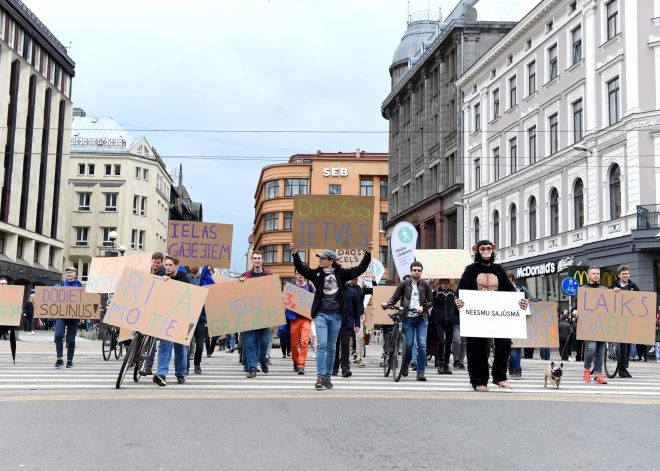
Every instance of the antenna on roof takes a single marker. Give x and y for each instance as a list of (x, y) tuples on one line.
[(408, 11)]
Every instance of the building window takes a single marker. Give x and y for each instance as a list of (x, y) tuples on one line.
[(496, 228), (143, 206), (141, 241), (270, 253), (136, 202), (19, 248), (384, 188), (117, 170), (493, 73), (452, 114), (272, 189), (51, 256), (496, 104), (84, 272), (528, 44), (476, 230), (383, 221), (554, 134), (513, 221), (110, 202), (496, 163), (578, 204), (554, 212), (531, 73), (549, 26), (452, 230), (138, 172), (82, 236), (366, 187), (145, 174), (271, 221), (612, 19), (106, 236), (90, 169), (513, 91), (334, 190), (477, 117), (134, 234), (577, 44), (81, 170), (513, 149), (477, 174), (108, 170), (288, 220), (84, 201), (613, 100), (532, 219), (382, 254), (531, 133), (295, 186), (286, 254), (553, 66), (615, 192), (577, 121), (37, 249)]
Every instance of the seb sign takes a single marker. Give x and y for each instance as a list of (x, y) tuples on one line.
[(536, 270), (335, 172)]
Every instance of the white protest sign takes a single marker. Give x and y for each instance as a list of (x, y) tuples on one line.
[(404, 241), (379, 270), (492, 314)]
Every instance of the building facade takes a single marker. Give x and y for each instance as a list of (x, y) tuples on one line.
[(358, 173), (425, 143), (115, 183), (563, 149), (182, 207), (35, 112)]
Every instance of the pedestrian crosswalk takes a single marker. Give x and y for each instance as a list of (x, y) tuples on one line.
[(223, 373)]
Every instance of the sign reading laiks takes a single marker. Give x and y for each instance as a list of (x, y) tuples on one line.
[(66, 302), (447, 263), (298, 300), (146, 303), (404, 241), (492, 314), (255, 303), (104, 273), (542, 327), (11, 304), (625, 317), (201, 243), (340, 222)]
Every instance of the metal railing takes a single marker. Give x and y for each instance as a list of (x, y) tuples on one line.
[(424, 15), (648, 216), (24, 7)]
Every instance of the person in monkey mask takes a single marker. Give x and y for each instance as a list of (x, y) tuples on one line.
[(486, 275)]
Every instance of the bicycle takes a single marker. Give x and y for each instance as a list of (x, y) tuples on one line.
[(137, 354), (110, 343), (611, 359), (394, 348)]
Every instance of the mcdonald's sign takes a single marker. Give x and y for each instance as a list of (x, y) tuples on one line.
[(581, 274)]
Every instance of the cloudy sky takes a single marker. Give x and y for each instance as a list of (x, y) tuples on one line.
[(248, 65)]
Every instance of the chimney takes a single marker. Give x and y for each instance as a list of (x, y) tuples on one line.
[(357, 153), (318, 152)]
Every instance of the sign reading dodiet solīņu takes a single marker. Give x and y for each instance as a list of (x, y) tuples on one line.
[(492, 314), (404, 241)]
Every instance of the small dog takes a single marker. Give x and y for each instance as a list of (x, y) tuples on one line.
[(554, 373)]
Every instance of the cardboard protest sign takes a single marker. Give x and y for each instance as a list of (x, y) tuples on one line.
[(255, 303), (606, 316), (124, 334), (223, 279), (66, 302), (324, 221), (298, 300), (167, 310), (493, 314), (11, 304), (104, 272), (542, 327), (368, 317), (381, 295), (446, 263), (200, 243)]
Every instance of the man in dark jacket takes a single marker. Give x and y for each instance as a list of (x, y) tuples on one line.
[(350, 324), (415, 294), (28, 312), (71, 325), (624, 283), (444, 313), (329, 305)]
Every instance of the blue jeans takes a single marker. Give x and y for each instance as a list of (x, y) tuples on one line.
[(71, 332), (592, 349), (327, 330), (545, 353), (165, 355), (514, 359), (414, 353), (229, 339), (256, 346), (416, 327), (633, 350)]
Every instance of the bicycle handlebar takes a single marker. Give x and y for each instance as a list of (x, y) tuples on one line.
[(392, 307)]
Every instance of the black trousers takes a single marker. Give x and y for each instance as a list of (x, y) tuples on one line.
[(477, 357), (641, 351), (342, 354), (580, 351), (27, 327), (286, 347), (564, 349), (200, 329), (624, 355), (445, 339), (528, 353)]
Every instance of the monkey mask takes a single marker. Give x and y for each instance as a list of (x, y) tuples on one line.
[(484, 252)]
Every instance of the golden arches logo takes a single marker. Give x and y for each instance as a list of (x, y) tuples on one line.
[(608, 278), (582, 276)]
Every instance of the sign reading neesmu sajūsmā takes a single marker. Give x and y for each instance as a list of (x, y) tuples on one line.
[(492, 314), (201, 243)]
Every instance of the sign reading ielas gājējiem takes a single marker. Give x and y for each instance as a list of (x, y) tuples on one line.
[(201, 243)]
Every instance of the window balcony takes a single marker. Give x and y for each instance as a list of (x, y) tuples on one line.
[(648, 216)]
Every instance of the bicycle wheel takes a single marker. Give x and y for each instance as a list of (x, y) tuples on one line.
[(387, 362), (611, 360), (126, 364), (398, 356), (119, 350), (145, 351), (107, 339)]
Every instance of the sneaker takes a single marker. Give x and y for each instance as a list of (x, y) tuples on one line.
[(319, 382), (283, 356), (404, 370), (187, 371), (360, 363), (413, 366), (268, 363), (146, 372), (295, 367), (288, 355), (69, 364), (511, 371), (208, 355), (301, 371), (587, 376), (180, 379), (421, 377), (59, 363), (441, 369), (599, 379), (516, 375), (160, 380), (461, 366), (264, 367), (198, 369), (347, 374), (327, 383), (335, 372), (251, 374), (623, 373), (455, 364), (447, 370)]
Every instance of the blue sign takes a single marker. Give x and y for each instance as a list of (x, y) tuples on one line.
[(570, 286)]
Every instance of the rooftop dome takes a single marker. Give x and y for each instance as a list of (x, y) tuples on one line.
[(421, 27)]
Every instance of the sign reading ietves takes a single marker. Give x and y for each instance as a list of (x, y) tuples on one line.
[(201, 243)]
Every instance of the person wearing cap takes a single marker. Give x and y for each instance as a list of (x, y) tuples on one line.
[(329, 305), (71, 325)]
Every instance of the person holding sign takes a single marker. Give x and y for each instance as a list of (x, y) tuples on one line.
[(329, 305), (71, 325), (624, 283), (486, 275), (301, 328)]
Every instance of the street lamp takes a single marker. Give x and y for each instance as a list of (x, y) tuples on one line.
[(112, 237)]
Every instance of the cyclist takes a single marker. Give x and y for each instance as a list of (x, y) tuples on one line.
[(300, 330), (624, 283), (415, 294), (200, 278), (71, 325), (158, 270)]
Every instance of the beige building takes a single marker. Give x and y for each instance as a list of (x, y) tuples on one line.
[(115, 183), (35, 112)]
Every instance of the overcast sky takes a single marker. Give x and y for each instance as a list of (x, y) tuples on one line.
[(252, 65)]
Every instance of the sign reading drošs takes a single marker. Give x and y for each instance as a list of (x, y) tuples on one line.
[(298, 300), (606, 316), (255, 303), (11, 304), (404, 241), (201, 243), (146, 303), (542, 327), (447, 263), (342, 222), (104, 273), (492, 314), (66, 302)]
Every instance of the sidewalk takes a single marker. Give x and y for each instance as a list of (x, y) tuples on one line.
[(44, 342)]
